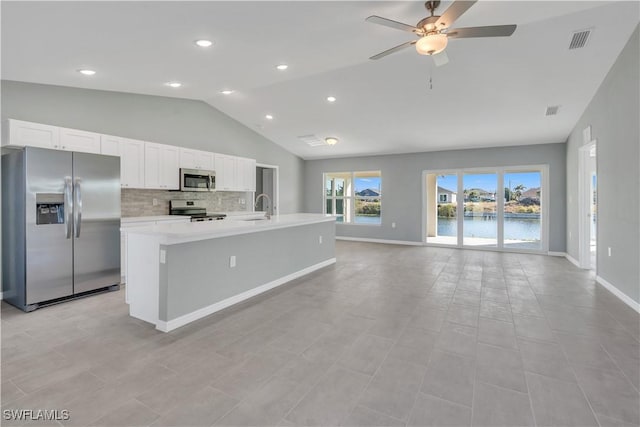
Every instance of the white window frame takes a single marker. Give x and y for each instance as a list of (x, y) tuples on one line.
[(349, 198)]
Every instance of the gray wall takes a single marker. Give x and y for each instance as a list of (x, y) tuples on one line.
[(180, 122), (613, 115), (402, 185), (262, 257)]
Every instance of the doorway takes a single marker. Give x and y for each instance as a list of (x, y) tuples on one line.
[(588, 209), (267, 183)]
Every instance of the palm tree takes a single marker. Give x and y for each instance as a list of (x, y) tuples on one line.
[(518, 190)]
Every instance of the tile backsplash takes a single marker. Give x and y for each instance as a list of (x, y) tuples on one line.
[(139, 202)]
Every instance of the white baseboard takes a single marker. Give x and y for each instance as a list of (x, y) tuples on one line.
[(617, 292), (569, 258), (572, 260), (388, 242), (205, 311), (562, 254)]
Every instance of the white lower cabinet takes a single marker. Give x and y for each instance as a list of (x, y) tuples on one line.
[(128, 223)]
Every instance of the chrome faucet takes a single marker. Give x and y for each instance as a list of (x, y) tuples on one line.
[(269, 205)]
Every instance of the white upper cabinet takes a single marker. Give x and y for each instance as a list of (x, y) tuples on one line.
[(196, 159), (142, 164), (27, 134), (245, 174), (131, 154), (79, 140), (235, 173), (225, 172), (161, 166)]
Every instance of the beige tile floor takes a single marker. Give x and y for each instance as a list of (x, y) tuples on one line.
[(389, 336)]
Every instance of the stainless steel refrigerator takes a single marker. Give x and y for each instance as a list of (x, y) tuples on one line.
[(60, 225)]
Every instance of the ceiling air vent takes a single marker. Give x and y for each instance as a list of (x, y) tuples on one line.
[(552, 110), (579, 39), (312, 140)]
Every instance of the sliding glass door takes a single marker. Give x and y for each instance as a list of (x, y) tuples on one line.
[(494, 208), (480, 225), (442, 206), (522, 214)]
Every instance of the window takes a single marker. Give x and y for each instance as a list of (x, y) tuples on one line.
[(353, 197), (443, 198)]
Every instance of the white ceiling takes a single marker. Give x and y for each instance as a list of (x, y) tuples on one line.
[(493, 92)]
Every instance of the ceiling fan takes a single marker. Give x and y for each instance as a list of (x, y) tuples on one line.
[(434, 31)]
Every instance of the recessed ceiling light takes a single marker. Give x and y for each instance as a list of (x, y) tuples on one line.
[(226, 92), (173, 84), (204, 43), (331, 98), (282, 67), (268, 117), (331, 140), (87, 72)]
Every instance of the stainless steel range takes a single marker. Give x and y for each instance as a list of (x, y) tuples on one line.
[(196, 209)]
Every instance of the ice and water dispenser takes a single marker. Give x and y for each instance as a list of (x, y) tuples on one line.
[(49, 208)]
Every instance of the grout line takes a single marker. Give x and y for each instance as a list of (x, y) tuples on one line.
[(570, 365)]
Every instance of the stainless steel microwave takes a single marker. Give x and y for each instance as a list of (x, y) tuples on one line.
[(197, 180)]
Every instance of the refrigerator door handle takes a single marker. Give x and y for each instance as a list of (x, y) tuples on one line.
[(68, 206), (77, 212)]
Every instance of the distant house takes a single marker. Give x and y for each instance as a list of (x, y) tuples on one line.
[(369, 192), (531, 193), (446, 196), (479, 195)]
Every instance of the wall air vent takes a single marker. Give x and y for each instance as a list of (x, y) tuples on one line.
[(579, 39), (312, 140), (552, 110)]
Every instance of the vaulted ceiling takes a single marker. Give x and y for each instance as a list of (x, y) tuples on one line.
[(493, 92)]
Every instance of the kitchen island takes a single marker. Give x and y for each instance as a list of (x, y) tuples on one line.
[(179, 273)]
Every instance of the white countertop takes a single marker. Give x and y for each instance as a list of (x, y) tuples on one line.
[(133, 219), (175, 233)]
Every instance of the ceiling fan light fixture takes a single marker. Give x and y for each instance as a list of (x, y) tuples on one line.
[(431, 44)]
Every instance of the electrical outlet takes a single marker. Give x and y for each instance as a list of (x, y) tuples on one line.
[(232, 261), (155, 202), (609, 250), (320, 239), (393, 225), (163, 256)]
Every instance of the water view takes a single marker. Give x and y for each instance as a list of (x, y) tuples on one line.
[(514, 228)]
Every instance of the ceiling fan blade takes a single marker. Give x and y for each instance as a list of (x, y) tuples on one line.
[(454, 12), (393, 49), (391, 24), (490, 31), (440, 59)]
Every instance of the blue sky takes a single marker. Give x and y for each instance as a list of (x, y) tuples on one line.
[(488, 181), (364, 183)]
